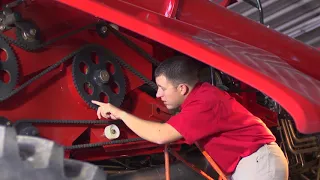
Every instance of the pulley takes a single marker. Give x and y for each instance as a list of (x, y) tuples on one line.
[(98, 76), (112, 132), (28, 33)]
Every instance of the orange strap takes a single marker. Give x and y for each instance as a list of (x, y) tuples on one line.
[(213, 164)]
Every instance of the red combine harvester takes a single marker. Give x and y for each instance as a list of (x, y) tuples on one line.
[(57, 56)]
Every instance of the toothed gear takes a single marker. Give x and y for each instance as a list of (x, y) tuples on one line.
[(28, 33), (98, 76), (10, 67)]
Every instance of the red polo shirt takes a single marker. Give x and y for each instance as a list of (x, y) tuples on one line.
[(221, 125)]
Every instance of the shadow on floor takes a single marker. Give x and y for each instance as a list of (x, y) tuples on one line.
[(178, 171)]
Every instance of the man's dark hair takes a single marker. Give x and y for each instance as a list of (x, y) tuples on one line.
[(179, 69)]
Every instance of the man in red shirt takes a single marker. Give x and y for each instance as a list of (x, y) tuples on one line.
[(239, 142)]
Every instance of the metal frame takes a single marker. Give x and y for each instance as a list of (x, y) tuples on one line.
[(272, 69)]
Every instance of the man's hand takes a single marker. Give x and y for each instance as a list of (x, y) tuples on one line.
[(107, 110), (155, 132)]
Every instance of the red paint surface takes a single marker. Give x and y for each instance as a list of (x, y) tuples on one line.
[(277, 65), (270, 62)]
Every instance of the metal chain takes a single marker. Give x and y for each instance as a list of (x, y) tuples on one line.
[(99, 144), (21, 45), (133, 46), (24, 85), (137, 73), (121, 62), (88, 122), (82, 122)]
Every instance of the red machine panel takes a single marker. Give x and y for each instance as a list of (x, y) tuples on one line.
[(282, 73), (58, 92), (57, 56)]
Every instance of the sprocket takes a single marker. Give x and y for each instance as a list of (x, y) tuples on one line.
[(28, 33), (90, 72), (9, 69)]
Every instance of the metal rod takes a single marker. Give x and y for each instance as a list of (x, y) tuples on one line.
[(290, 141), (213, 164), (259, 7), (318, 174), (309, 144), (167, 162), (213, 77), (300, 140), (260, 11), (202, 173)]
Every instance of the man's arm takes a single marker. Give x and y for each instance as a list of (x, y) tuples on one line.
[(159, 133)]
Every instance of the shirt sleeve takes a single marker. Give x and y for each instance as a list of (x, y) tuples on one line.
[(196, 120)]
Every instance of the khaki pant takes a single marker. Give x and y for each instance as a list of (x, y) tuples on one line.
[(267, 163)]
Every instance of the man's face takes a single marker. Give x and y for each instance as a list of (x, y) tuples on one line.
[(171, 96)]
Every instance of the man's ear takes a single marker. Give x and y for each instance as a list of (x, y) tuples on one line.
[(183, 89)]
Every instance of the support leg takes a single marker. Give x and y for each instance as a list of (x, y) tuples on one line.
[(205, 175), (167, 163), (213, 164)]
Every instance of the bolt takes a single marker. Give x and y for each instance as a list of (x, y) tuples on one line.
[(104, 76), (113, 131), (104, 29), (2, 27), (33, 32)]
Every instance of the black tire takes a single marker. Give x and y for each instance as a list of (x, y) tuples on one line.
[(34, 158)]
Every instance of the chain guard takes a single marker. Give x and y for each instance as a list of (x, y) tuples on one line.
[(10, 66), (91, 76)]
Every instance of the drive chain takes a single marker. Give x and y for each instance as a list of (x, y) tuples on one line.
[(121, 62), (99, 144), (21, 45), (137, 73), (82, 122), (133, 46), (50, 68), (34, 78)]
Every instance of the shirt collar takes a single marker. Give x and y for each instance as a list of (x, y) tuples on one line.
[(191, 94)]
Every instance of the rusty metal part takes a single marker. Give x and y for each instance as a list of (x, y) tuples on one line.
[(300, 149), (294, 148), (294, 136)]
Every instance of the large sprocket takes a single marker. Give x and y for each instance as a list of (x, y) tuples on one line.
[(92, 72), (9, 71)]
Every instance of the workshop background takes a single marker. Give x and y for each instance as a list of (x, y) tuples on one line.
[(299, 19)]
